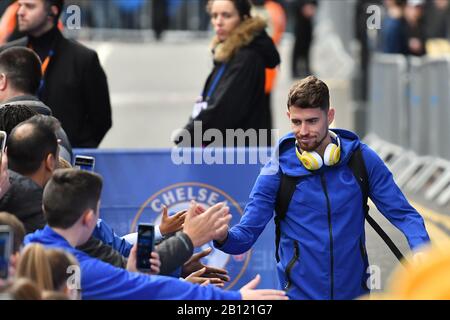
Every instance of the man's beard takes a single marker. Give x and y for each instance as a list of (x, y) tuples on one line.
[(31, 28), (313, 147)]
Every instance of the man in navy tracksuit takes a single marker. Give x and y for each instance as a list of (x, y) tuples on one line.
[(71, 204), (322, 242)]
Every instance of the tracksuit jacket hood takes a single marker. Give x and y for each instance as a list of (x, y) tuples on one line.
[(289, 163)]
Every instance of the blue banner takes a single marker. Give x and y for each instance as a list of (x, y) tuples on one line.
[(138, 183)]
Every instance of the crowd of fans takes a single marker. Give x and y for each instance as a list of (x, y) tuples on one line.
[(410, 25), (61, 249)]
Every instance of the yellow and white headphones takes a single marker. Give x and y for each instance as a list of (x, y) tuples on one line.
[(313, 161)]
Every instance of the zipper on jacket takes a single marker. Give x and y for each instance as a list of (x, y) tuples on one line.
[(291, 265), (362, 249), (330, 228)]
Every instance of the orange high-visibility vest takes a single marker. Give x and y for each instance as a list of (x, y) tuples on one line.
[(8, 22), (278, 22)]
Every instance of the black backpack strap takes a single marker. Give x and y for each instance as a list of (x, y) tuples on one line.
[(359, 170), (286, 190)]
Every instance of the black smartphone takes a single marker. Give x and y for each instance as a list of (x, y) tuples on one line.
[(85, 163), (145, 246), (6, 242)]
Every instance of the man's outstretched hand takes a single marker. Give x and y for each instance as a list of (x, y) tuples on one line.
[(249, 292)]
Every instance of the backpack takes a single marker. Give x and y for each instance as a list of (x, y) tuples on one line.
[(288, 185)]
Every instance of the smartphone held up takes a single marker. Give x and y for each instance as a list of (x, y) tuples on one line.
[(145, 246), (86, 163)]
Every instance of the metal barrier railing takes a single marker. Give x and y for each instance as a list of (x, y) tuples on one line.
[(425, 176), (409, 121), (409, 103), (437, 73), (388, 100), (419, 119)]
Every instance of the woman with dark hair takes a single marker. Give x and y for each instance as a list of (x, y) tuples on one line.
[(233, 96)]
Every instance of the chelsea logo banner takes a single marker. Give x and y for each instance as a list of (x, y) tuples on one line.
[(137, 184)]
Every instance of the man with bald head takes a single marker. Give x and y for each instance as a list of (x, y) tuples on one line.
[(33, 152)]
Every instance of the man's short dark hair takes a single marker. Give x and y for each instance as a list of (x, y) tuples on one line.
[(12, 115), (22, 68), (27, 150), (68, 194), (16, 226), (58, 4), (401, 3), (309, 93)]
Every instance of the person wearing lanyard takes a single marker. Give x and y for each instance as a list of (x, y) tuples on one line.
[(233, 96), (74, 84)]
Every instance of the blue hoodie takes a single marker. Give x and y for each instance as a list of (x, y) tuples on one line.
[(107, 235), (100, 280), (322, 246)]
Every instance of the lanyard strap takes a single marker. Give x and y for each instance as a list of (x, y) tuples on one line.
[(215, 82), (44, 68), (46, 61)]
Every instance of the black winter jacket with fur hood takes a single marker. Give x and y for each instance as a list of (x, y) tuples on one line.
[(239, 100)]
